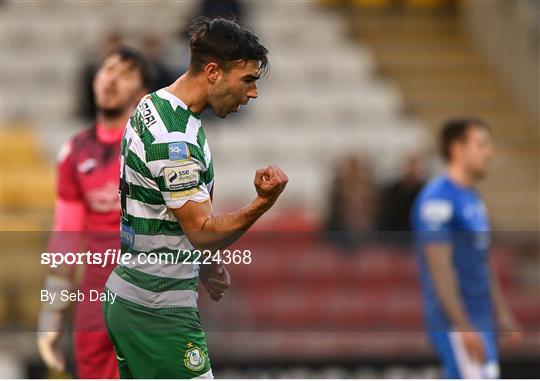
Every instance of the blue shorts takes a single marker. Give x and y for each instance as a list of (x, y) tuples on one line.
[(456, 362)]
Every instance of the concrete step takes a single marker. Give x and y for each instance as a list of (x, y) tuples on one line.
[(441, 75), (503, 122), (427, 59), (361, 20)]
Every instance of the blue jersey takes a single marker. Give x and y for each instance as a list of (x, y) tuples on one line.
[(449, 213)]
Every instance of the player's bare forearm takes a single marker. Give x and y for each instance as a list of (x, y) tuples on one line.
[(502, 312), (205, 231), (221, 231), (496, 294), (508, 326), (438, 257)]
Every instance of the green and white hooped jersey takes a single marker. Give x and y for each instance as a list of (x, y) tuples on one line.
[(165, 162)]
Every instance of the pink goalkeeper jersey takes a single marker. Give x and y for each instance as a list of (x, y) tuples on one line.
[(88, 201)]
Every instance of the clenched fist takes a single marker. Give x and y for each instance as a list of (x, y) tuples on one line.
[(269, 183), (216, 280)]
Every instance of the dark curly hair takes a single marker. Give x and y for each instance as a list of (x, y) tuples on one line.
[(138, 60), (224, 42)]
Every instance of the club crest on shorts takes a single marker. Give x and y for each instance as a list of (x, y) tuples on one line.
[(194, 359)]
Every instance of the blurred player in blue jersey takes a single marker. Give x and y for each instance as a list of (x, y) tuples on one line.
[(463, 304)]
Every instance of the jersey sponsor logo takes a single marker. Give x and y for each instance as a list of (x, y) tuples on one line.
[(182, 176), (436, 212), (104, 199), (87, 165), (194, 358), (178, 151), (149, 119), (127, 236)]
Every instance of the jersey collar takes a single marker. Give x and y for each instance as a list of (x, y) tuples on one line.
[(175, 101)]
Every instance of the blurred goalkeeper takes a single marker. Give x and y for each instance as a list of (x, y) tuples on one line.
[(463, 303), (87, 211), (167, 178)]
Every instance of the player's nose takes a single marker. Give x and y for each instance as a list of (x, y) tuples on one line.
[(112, 78), (108, 84), (253, 92)]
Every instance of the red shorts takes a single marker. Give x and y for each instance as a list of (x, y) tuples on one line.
[(94, 355)]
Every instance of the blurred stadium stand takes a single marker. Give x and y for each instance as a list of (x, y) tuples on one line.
[(371, 77), (321, 100), (442, 72)]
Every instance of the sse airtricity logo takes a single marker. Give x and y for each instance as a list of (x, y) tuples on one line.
[(183, 176)]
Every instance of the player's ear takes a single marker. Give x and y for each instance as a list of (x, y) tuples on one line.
[(457, 149), (213, 72), (94, 80)]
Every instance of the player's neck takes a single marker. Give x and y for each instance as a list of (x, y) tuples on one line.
[(189, 90), (460, 176), (109, 123)]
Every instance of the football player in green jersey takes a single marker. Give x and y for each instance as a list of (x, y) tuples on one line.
[(166, 183)]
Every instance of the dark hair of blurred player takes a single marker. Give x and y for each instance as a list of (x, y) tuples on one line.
[(466, 147), (122, 79)]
